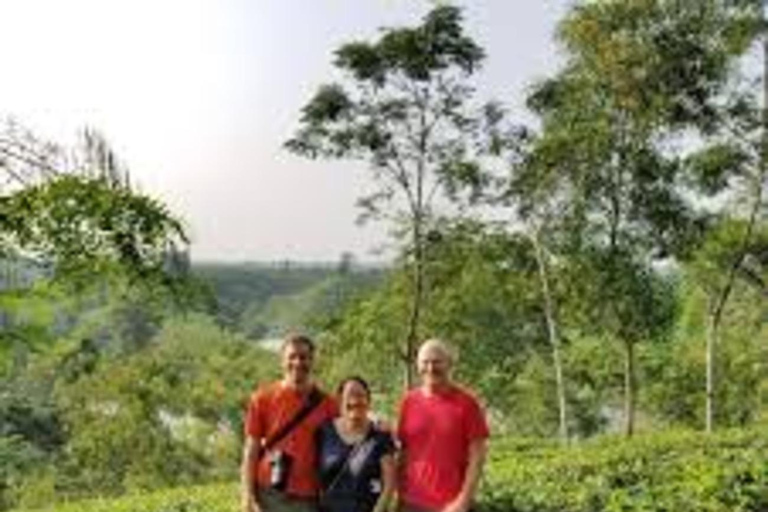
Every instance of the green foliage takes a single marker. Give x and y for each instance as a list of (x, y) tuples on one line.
[(81, 421), (675, 369), (204, 498), (594, 372), (663, 62), (417, 53), (126, 401), (680, 471), (484, 298), (605, 183), (303, 310), (166, 415), (28, 413), (405, 111), (19, 459), (712, 168), (70, 235), (361, 340), (266, 300), (239, 287), (722, 249), (677, 471), (83, 227), (29, 321)]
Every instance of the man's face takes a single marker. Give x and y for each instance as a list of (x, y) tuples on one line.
[(434, 366), (297, 362)]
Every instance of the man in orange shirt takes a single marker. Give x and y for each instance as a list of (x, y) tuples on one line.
[(278, 471)]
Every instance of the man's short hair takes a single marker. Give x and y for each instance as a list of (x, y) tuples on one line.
[(439, 345), (298, 339)]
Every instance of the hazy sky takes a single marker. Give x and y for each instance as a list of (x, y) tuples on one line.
[(197, 97)]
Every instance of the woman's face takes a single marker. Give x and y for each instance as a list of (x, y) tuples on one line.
[(354, 401)]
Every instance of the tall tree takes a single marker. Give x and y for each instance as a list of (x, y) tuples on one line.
[(637, 74), (76, 210), (732, 165), (405, 109), (721, 261), (72, 219)]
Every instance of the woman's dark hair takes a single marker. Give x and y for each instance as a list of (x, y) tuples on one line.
[(353, 378)]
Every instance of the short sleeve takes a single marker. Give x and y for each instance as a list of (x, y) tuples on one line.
[(319, 437), (320, 441), (474, 420), (401, 418), (254, 424), (331, 407), (385, 443)]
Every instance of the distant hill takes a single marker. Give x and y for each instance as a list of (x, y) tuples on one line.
[(263, 300)]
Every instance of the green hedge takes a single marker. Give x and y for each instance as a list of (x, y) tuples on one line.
[(203, 498), (670, 472)]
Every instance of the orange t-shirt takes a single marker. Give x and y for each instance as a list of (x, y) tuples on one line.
[(272, 406)]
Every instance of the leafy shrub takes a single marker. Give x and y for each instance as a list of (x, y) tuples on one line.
[(206, 498), (667, 472), (676, 471)]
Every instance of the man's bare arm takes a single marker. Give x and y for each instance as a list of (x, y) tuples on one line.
[(249, 501), (463, 501)]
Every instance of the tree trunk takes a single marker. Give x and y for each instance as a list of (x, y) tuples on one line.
[(417, 280), (418, 212), (554, 339), (630, 389), (712, 322), (715, 315)]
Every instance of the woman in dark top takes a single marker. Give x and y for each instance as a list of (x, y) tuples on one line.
[(355, 458)]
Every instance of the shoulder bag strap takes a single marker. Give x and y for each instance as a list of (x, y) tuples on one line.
[(313, 400), (352, 453)]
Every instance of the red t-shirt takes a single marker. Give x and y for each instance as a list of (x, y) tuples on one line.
[(271, 407), (436, 431)]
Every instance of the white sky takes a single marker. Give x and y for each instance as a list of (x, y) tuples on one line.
[(197, 97)]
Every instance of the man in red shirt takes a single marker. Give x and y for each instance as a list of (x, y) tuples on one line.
[(443, 433), (278, 472)]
